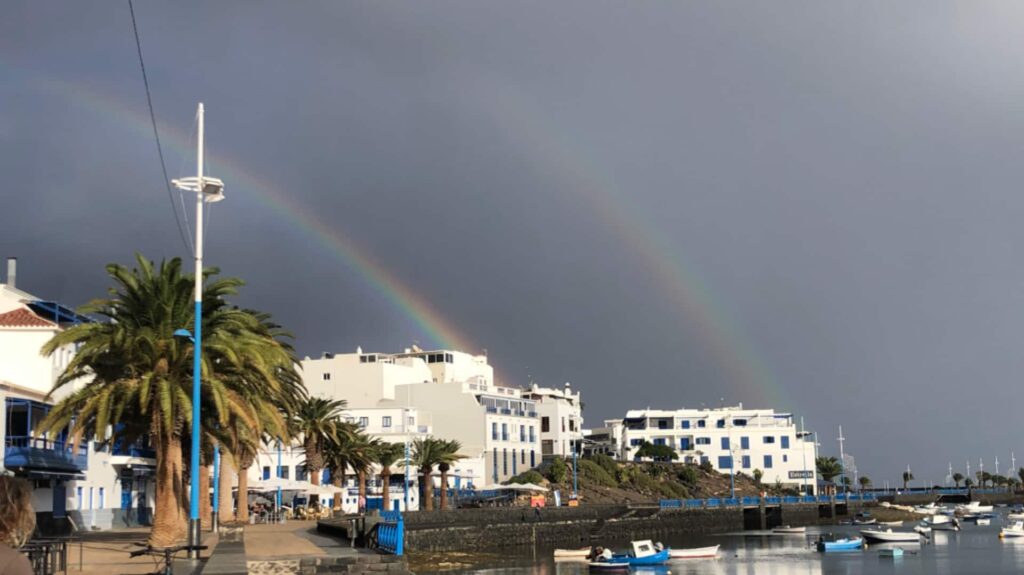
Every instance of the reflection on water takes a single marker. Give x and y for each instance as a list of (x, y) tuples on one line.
[(973, 550)]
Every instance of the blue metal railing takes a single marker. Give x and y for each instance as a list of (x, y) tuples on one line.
[(391, 532), (751, 501)]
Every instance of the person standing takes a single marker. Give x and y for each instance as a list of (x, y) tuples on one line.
[(17, 523)]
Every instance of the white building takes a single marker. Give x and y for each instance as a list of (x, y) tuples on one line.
[(454, 391), (561, 419), (750, 438), (94, 488)]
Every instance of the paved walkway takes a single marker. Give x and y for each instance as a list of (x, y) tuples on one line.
[(291, 540), (106, 552)]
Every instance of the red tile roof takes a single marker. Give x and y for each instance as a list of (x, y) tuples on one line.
[(22, 317)]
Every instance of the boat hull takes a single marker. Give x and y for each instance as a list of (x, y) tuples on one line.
[(891, 536), (695, 553), (841, 545), (608, 567), (581, 553), (659, 558)]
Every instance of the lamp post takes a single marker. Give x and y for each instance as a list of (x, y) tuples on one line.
[(215, 519), (206, 190), (575, 490)]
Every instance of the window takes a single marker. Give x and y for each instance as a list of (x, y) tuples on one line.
[(701, 423), (703, 441), (563, 425), (572, 424), (533, 458), (685, 424), (494, 430), (725, 443), (785, 441), (739, 422), (785, 458), (724, 462), (364, 422), (769, 439), (522, 433), (663, 424), (744, 443), (532, 436), (504, 461), (720, 423), (412, 420), (746, 462), (266, 472), (301, 473), (103, 496), (386, 421), (284, 472), (636, 441), (659, 441), (704, 459), (504, 432), (514, 462), (78, 493), (767, 461), (684, 443), (327, 377), (494, 466), (545, 425), (522, 457), (90, 498)]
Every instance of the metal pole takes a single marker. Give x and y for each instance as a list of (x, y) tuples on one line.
[(215, 520), (197, 350), (842, 459), (405, 484), (278, 498), (803, 451), (575, 491)]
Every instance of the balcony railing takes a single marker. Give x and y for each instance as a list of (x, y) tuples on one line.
[(37, 452)]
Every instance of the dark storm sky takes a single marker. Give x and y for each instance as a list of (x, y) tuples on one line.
[(812, 206)]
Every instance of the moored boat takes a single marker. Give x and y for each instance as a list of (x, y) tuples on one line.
[(580, 554), (843, 544), (608, 567), (890, 523), (787, 530), (890, 536), (694, 553), (891, 552), (644, 552), (1016, 529)]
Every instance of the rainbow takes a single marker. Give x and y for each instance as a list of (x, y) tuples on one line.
[(527, 129)]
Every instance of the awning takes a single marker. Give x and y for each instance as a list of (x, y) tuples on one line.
[(38, 474)]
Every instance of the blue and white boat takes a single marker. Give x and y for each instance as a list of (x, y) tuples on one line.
[(892, 552), (843, 544), (643, 553)]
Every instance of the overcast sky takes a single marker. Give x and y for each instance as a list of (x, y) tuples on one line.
[(810, 206)]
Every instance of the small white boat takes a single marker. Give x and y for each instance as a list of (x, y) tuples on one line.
[(890, 523), (938, 520), (923, 529), (1015, 516), (1016, 529), (891, 552), (580, 554), (787, 530), (973, 507), (694, 553), (984, 521), (890, 536)]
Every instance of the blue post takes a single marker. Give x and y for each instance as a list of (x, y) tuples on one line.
[(197, 352), (406, 481), (278, 499), (575, 491)]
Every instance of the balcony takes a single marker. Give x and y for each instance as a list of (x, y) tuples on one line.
[(35, 453)]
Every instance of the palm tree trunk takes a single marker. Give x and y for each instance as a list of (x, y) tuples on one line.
[(314, 475), (337, 480), (427, 491), (226, 508), (205, 505), (444, 489), (242, 513), (169, 518), (385, 488), (362, 490)]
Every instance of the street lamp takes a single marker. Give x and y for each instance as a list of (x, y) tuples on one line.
[(206, 190)]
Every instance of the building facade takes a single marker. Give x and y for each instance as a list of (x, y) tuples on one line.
[(94, 486), (561, 419), (729, 438)]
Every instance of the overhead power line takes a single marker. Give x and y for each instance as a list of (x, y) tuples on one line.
[(156, 134)]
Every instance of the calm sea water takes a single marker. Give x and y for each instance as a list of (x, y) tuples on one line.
[(973, 550)]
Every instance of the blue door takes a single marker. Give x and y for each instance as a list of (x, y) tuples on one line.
[(60, 499), (126, 494)]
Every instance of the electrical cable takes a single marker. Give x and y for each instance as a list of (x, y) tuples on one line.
[(156, 133)]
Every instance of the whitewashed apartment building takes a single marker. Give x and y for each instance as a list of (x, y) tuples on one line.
[(561, 419), (747, 438), (94, 488)]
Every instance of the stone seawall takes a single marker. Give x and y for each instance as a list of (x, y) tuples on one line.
[(513, 528)]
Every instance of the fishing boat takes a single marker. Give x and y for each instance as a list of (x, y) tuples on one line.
[(984, 521), (578, 554), (890, 523), (1016, 529), (608, 567), (1015, 516), (643, 553), (843, 544), (891, 552), (694, 553), (890, 536), (922, 529), (864, 518), (787, 530), (973, 507)]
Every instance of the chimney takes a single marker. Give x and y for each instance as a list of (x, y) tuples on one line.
[(12, 272)]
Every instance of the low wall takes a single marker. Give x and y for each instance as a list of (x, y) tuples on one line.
[(488, 515)]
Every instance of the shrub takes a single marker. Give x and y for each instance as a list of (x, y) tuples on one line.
[(558, 471), (687, 475), (606, 463), (706, 466), (595, 473)]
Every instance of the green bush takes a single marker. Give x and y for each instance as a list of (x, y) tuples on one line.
[(687, 475), (706, 466), (528, 476), (559, 471), (591, 471), (606, 463)]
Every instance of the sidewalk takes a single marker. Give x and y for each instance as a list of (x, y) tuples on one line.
[(292, 540), (106, 552)]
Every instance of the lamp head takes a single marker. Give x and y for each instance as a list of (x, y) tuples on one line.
[(184, 333)]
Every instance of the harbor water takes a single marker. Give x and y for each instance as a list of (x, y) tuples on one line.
[(975, 549)]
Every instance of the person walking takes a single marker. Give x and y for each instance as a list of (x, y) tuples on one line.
[(17, 523)]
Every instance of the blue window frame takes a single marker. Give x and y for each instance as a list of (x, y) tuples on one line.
[(720, 424), (703, 441), (684, 443), (767, 461), (659, 441), (768, 439), (746, 462), (785, 442), (78, 495), (725, 443), (724, 462), (704, 459), (701, 423), (636, 441), (744, 443), (266, 472), (685, 424)]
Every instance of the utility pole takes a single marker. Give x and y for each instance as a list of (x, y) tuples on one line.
[(842, 458), (803, 451)]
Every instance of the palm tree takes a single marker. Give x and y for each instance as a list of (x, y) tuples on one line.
[(139, 374), (864, 481), (907, 478), (446, 455), (425, 457), (386, 457), (828, 467), (363, 452), (957, 478), (338, 455), (315, 420)]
